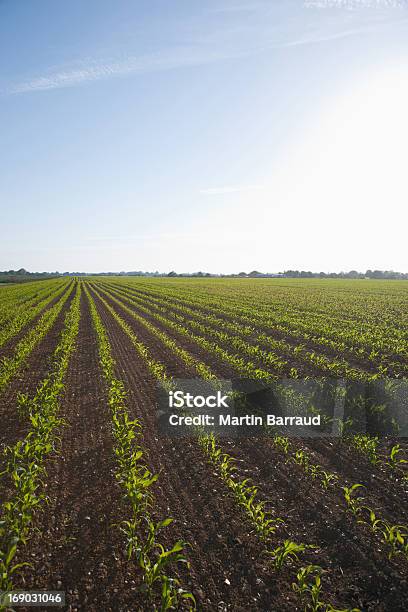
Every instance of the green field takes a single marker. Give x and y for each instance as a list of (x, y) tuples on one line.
[(105, 506)]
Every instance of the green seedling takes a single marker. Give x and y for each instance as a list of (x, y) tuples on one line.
[(301, 458), (314, 471), (368, 446), (396, 536), (376, 523), (282, 444), (327, 478), (394, 460), (309, 584), (287, 552), (353, 503), (154, 561)]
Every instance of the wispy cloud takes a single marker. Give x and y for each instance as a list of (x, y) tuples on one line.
[(95, 70), (229, 40), (230, 189)]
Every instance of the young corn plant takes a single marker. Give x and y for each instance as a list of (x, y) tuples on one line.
[(353, 503), (282, 443), (376, 523), (367, 445), (314, 471), (8, 550), (287, 552), (394, 460), (309, 585), (153, 559), (302, 459), (396, 536), (343, 425), (327, 478), (264, 524)]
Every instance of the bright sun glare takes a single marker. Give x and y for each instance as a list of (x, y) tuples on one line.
[(346, 176)]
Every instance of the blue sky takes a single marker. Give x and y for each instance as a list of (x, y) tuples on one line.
[(216, 135)]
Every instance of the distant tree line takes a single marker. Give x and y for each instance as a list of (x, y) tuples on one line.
[(18, 276), (22, 275), (377, 274)]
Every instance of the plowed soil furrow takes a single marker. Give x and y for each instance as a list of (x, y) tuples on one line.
[(26, 380), (389, 491), (223, 369), (78, 549), (347, 547), (226, 558)]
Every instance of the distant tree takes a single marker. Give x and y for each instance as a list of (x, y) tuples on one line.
[(292, 273)]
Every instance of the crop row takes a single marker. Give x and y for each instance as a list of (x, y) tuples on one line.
[(9, 366), (25, 461), (12, 305), (142, 532), (27, 312)]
